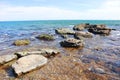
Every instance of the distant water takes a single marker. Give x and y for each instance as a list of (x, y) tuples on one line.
[(12, 30)]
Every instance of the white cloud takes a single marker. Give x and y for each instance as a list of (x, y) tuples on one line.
[(108, 10), (21, 13)]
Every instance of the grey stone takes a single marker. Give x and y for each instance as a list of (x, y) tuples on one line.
[(7, 58), (81, 27), (71, 42), (47, 52), (28, 63), (80, 34), (64, 31)]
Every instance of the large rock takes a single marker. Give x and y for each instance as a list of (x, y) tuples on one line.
[(81, 27), (64, 31), (71, 42), (28, 63), (47, 52), (21, 42), (7, 58), (80, 34), (99, 29), (45, 37)]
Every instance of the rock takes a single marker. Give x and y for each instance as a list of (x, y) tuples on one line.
[(28, 63), (80, 34), (97, 70), (45, 37), (71, 42), (47, 52), (81, 27), (21, 42), (7, 58), (64, 31), (32, 38), (99, 29), (64, 36), (22, 54)]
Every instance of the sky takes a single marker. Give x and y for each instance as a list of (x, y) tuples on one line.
[(15, 10)]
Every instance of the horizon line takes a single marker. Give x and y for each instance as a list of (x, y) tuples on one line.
[(61, 20)]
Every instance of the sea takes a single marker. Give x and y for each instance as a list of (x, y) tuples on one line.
[(103, 48), (13, 30)]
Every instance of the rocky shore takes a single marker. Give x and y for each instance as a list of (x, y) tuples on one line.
[(81, 54)]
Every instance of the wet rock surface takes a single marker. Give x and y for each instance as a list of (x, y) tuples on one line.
[(80, 34), (21, 42), (28, 63), (64, 31), (47, 52), (71, 42), (99, 29), (46, 37), (7, 58), (81, 27)]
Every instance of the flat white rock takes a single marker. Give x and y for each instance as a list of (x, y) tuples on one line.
[(28, 63), (7, 58)]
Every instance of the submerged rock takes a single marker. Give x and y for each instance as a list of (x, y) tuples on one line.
[(28, 63), (71, 42), (47, 52), (81, 27), (99, 29), (21, 42), (64, 31), (7, 58), (97, 70), (80, 34), (45, 37)]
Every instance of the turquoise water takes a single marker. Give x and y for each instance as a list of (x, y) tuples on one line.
[(13, 30), (37, 25)]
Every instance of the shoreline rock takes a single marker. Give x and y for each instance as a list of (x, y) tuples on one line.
[(64, 31), (71, 42), (47, 52), (7, 58), (80, 34), (45, 37), (99, 29), (81, 27), (22, 42), (28, 63)]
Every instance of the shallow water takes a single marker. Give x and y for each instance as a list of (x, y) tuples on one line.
[(13, 30), (104, 49)]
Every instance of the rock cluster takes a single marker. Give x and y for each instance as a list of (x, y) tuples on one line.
[(28, 61), (99, 29), (47, 52), (95, 29)]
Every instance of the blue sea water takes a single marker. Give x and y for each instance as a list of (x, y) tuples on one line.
[(110, 54), (12, 30)]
